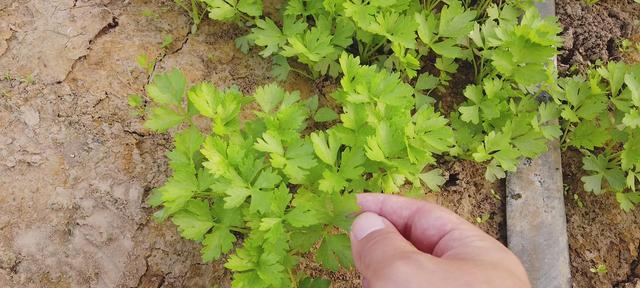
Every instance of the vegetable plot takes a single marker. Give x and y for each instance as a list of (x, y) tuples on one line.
[(271, 188)]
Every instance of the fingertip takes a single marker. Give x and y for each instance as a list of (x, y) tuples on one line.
[(365, 224)]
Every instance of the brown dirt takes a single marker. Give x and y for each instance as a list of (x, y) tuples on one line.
[(76, 166), (599, 232), (594, 32)]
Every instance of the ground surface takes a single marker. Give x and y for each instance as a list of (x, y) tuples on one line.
[(599, 232), (76, 166)]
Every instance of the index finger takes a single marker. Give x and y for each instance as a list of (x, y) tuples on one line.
[(429, 227)]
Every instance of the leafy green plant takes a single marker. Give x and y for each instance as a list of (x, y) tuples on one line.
[(315, 33), (167, 40), (502, 120), (278, 184), (600, 269), (145, 63), (601, 117)]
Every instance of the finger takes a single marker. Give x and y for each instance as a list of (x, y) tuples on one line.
[(382, 254), (424, 224)]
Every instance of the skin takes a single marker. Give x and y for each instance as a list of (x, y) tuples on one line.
[(401, 242)]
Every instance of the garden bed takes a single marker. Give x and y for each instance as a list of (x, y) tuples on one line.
[(598, 233), (76, 166)]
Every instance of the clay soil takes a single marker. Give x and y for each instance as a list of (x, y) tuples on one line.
[(599, 232), (76, 166)]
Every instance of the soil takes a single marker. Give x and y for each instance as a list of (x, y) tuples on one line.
[(593, 32), (599, 233), (76, 165)]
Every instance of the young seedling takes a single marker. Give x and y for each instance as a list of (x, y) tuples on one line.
[(483, 219), (145, 63), (136, 102), (600, 269), (28, 80), (167, 40)]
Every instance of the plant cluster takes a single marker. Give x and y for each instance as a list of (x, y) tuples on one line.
[(270, 187), (600, 115), (284, 189), (315, 33)]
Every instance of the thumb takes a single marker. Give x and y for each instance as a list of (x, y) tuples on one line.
[(382, 255)]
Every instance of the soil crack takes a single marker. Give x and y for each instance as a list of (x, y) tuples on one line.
[(105, 30), (164, 55)]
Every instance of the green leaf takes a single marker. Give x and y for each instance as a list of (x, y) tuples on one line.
[(325, 114), (269, 97), (168, 88), (281, 68), (433, 179), (335, 252), (447, 48), (162, 119), (194, 221), (241, 261), (601, 168), (327, 152), (395, 27), (221, 9), (615, 73), (135, 100), (633, 83), (217, 242), (588, 135), (426, 27), (455, 22), (470, 114), (268, 35), (267, 223), (308, 282), (593, 183), (250, 7), (299, 159), (300, 217), (270, 144), (236, 196), (311, 47), (632, 119), (628, 200), (630, 156)]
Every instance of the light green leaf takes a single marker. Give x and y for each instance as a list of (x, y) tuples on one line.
[(433, 179), (325, 114), (168, 88), (163, 118), (217, 242)]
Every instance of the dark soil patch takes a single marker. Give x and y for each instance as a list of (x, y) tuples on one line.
[(594, 32)]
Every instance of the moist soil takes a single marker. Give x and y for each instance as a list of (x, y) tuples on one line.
[(599, 232), (76, 166)]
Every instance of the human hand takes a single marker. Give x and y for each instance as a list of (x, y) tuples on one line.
[(401, 242)]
